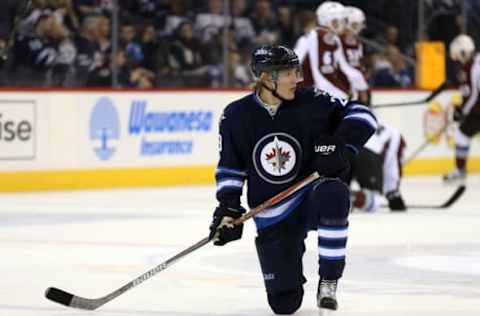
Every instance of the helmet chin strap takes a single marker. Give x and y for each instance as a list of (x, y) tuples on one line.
[(274, 91)]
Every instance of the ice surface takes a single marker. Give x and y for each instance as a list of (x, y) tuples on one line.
[(420, 263)]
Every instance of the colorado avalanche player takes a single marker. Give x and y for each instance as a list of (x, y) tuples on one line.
[(321, 54), (378, 167), (462, 50), (272, 138)]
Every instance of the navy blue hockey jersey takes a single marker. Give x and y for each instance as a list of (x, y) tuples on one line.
[(35, 52), (273, 151)]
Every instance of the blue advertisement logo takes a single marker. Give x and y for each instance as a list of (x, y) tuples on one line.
[(104, 127), (155, 128)]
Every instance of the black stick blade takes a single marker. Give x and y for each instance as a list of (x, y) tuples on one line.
[(58, 296), (454, 197)]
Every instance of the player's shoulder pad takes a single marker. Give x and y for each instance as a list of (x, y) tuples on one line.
[(237, 106), (234, 110)]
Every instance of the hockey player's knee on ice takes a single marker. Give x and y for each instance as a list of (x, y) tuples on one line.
[(280, 248), (331, 201), (287, 302)]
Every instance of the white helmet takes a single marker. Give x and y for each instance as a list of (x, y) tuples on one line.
[(462, 48), (355, 19), (331, 14)]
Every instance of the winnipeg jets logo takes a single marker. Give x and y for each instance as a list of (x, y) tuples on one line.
[(276, 157)]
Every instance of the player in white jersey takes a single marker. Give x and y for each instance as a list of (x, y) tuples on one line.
[(384, 150), (353, 48), (462, 50), (322, 57), (331, 57)]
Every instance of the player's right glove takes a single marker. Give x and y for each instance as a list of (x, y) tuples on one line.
[(331, 158), (222, 230)]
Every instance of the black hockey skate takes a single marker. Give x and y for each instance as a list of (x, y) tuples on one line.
[(326, 294)]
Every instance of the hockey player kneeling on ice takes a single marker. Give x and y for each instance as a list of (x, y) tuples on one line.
[(272, 138), (378, 170)]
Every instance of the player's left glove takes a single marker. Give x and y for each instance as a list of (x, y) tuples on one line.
[(222, 229), (331, 158)]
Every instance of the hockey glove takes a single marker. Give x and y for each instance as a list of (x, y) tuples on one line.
[(222, 229), (331, 158), (395, 201)]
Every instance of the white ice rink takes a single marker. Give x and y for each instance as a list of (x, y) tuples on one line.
[(420, 263)]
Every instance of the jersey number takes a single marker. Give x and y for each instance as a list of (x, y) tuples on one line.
[(327, 63), (354, 56)]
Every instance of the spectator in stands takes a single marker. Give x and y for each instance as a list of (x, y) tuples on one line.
[(185, 57), (264, 23), (389, 37), (209, 24), (242, 25), (128, 42), (177, 15), (104, 38), (149, 44), (89, 56), (391, 70), (285, 26), (101, 76), (141, 78), (239, 74), (240, 8), (66, 17), (65, 14), (123, 76), (36, 53), (62, 70), (39, 8)]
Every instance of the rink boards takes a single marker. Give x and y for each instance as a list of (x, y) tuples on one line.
[(80, 139)]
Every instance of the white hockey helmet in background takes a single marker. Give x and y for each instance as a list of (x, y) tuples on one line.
[(462, 48), (331, 14), (355, 19)]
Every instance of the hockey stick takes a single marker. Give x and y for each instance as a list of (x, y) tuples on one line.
[(452, 199), (449, 202), (429, 98), (70, 300), (425, 144), (22, 12)]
